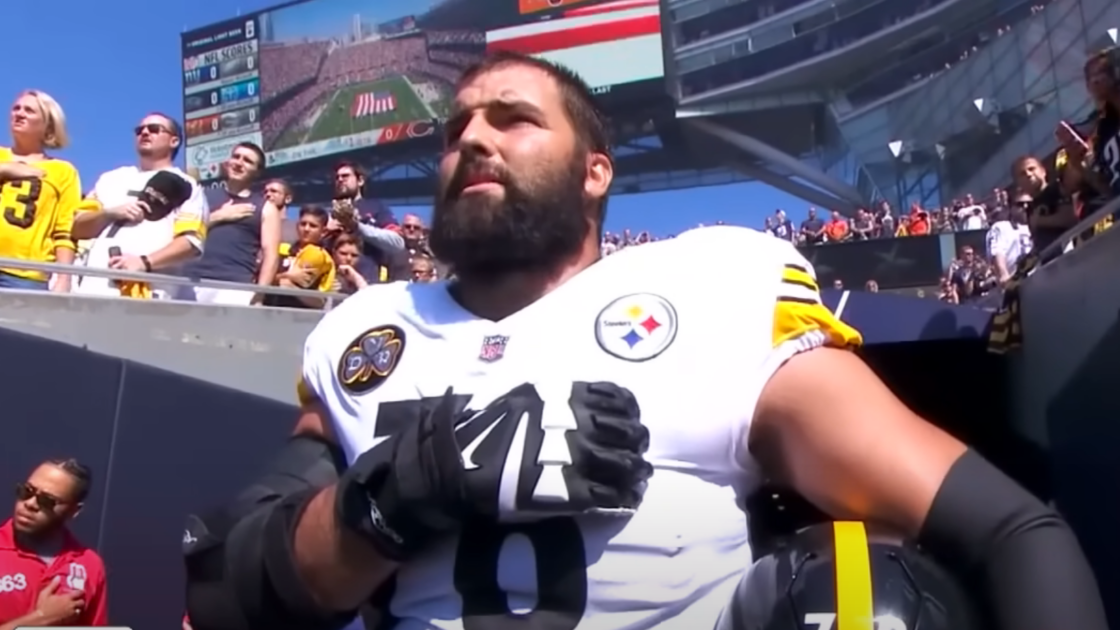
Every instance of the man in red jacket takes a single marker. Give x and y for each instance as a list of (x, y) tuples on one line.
[(47, 577)]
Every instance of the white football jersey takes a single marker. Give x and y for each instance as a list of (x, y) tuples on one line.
[(124, 184), (694, 350)]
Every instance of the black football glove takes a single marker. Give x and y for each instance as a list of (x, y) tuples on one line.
[(416, 487), (609, 447), (409, 490), (607, 473)]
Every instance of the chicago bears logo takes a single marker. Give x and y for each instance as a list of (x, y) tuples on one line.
[(370, 358)]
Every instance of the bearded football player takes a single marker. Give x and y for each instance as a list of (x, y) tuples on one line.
[(556, 441)]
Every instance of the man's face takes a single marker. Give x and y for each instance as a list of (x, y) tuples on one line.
[(45, 502), (154, 137), (243, 165), (310, 229), (812, 213), (412, 229), (515, 185), (347, 183), (1031, 175), (277, 193), (967, 255), (1017, 211)]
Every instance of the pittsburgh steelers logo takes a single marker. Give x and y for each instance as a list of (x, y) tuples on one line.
[(636, 327), (370, 358)]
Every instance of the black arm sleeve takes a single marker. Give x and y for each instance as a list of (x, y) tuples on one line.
[(240, 570), (1034, 573)]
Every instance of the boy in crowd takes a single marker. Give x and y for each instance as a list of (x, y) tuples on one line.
[(305, 264)]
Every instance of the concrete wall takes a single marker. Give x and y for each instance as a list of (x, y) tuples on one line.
[(251, 349)]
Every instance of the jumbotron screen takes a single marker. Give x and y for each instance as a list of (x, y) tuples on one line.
[(329, 76)]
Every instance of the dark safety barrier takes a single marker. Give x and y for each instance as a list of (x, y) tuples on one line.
[(1066, 376), (887, 318), (894, 263), (159, 444)]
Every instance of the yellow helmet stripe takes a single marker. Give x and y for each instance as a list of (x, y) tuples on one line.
[(854, 609)]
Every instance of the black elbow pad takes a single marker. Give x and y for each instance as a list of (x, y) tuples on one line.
[(240, 572), (245, 578)]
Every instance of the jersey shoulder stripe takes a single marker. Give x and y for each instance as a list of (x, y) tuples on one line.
[(798, 284), (799, 311)]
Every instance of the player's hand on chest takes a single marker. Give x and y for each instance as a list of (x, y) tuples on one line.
[(536, 450)]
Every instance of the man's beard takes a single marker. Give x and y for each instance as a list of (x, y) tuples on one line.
[(343, 192), (538, 223)]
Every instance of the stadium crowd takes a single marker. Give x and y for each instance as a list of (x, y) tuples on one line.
[(153, 217), (357, 241)]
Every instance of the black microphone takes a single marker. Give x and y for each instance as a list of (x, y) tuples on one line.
[(163, 193)]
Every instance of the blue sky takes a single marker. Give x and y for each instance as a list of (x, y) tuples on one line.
[(110, 62)]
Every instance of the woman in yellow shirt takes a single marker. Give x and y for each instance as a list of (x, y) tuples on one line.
[(38, 194)]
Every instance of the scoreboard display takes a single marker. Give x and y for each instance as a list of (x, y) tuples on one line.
[(312, 78), (221, 89)]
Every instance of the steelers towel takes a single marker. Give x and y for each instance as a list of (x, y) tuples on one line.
[(1006, 332)]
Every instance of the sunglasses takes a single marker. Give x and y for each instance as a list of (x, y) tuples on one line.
[(152, 128), (47, 502)]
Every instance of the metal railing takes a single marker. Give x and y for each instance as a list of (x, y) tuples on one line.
[(331, 297)]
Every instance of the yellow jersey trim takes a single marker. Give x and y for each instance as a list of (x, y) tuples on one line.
[(798, 276), (798, 310), (189, 226), (854, 600), (304, 393)]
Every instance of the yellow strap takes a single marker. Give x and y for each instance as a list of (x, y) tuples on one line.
[(854, 609)]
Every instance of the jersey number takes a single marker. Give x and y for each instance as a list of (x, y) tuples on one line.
[(557, 543), (20, 209)]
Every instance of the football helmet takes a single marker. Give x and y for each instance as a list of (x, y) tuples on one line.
[(837, 576)]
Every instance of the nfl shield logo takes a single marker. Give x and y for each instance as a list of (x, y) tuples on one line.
[(493, 348)]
